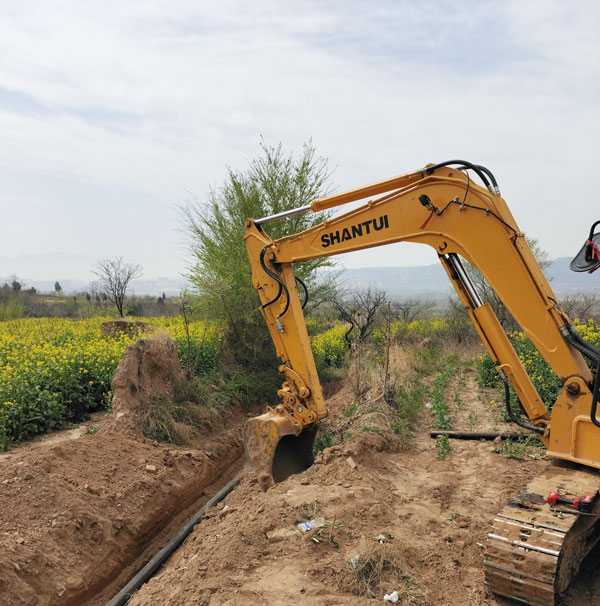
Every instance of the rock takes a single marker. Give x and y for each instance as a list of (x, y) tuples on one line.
[(351, 462), (280, 534), (226, 511), (151, 468), (20, 540)]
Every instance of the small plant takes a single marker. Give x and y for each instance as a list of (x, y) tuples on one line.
[(91, 430), (442, 444), (472, 420), (510, 449), (322, 441), (346, 436), (326, 533), (518, 449), (308, 511), (408, 403), (350, 410), (439, 408)]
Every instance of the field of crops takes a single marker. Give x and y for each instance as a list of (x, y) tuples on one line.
[(54, 371)]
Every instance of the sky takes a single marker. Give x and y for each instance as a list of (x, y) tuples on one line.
[(114, 114)]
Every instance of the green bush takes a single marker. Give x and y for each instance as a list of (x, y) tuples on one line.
[(329, 347)]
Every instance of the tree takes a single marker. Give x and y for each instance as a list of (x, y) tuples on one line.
[(581, 305), (114, 276), (360, 311), (57, 288), (15, 283), (272, 182)]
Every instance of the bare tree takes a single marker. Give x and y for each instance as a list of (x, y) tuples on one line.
[(114, 276), (581, 305), (408, 310), (360, 311)]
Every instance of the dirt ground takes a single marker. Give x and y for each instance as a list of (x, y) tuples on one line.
[(249, 551), (78, 515)]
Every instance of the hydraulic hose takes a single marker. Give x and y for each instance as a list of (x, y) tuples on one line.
[(573, 338), (481, 173), (510, 412), (595, 397), (301, 282)]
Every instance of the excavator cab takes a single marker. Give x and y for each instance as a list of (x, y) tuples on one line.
[(588, 258)]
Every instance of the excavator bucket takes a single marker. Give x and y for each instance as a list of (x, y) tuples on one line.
[(273, 449)]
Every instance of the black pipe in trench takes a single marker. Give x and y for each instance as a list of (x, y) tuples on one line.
[(159, 559)]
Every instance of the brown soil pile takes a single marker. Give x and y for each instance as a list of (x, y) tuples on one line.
[(431, 516), (74, 515), (148, 370)]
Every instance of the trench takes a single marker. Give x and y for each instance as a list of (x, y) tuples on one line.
[(159, 530), (160, 558)]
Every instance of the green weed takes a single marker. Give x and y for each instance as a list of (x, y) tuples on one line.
[(442, 444)]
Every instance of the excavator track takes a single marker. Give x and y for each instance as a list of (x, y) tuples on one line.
[(532, 552)]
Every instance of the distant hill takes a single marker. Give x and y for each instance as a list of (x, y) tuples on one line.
[(172, 287), (432, 281), (427, 281)]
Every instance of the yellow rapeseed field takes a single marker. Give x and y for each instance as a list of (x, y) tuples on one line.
[(55, 371)]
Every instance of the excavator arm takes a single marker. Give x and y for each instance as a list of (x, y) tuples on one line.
[(442, 207)]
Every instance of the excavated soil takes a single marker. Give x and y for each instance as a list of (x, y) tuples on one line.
[(249, 551), (79, 513), (78, 517)]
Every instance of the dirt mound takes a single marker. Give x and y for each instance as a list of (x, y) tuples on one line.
[(149, 369), (116, 328)]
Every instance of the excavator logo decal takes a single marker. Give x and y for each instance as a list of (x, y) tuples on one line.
[(354, 231)]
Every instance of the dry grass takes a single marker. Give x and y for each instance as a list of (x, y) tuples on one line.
[(179, 423), (379, 571)]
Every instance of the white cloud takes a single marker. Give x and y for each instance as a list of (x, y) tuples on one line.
[(147, 100)]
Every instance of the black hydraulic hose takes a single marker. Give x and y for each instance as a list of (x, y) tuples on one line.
[(287, 301), (595, 397), (305, 291), (159, 559), (282, 286), (489, 173), (573, 338), (474, 167), (272, 275), (510, 412)]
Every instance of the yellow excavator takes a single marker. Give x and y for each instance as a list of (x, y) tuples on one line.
[(539, 539)]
